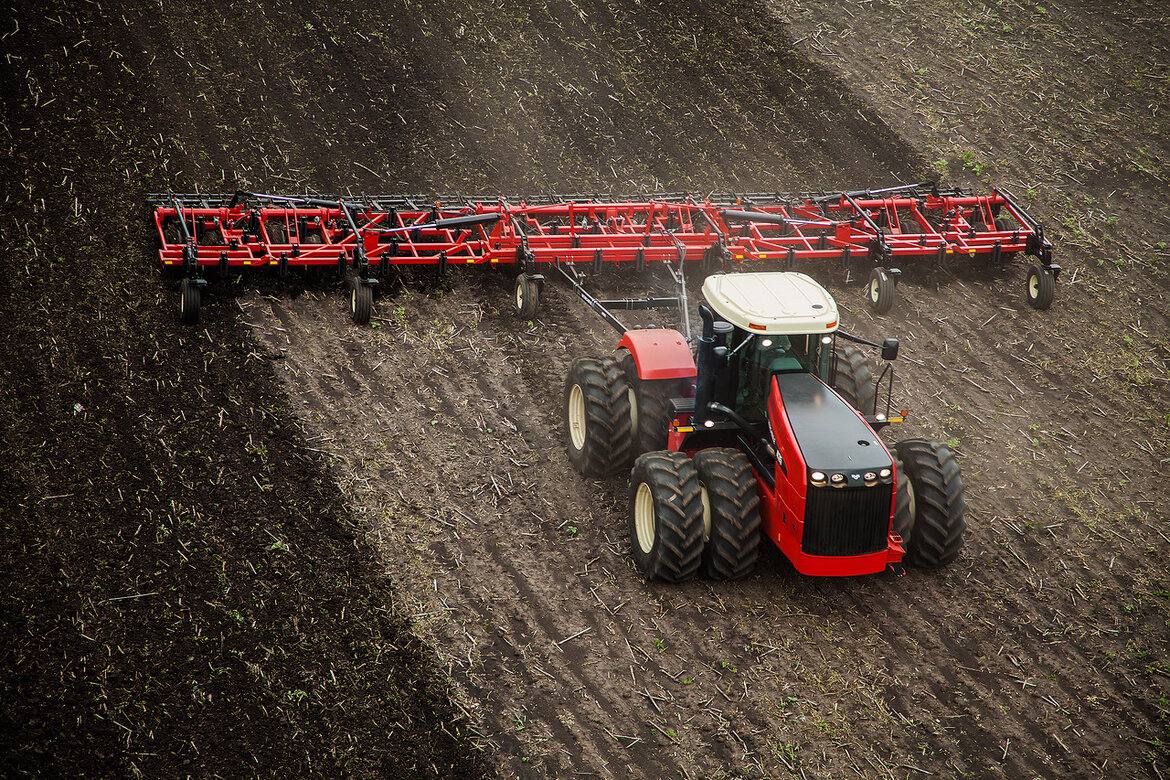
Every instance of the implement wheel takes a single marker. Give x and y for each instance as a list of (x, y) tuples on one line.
[(1041, 287), (189, 300), (882, 292), (853, 378), (361, 302), (731, 513), (527, 297), (597, 417), (930, 511), (666, 516)]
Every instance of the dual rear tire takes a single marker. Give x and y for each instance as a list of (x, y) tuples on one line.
[(852, 378), (597, 417)]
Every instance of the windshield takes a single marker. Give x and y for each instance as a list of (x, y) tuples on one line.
[(757, 358)]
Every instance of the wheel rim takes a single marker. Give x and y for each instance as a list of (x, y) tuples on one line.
[(873, 290), (911, 502), (520, 295), (1033, 286), (353, 301), (706, 512), (630, 394), (183, 302), (644, 517), (577, 417)]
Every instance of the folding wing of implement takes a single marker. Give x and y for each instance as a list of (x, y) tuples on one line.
[(368, 234)]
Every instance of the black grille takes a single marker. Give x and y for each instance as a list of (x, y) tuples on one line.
[(846, 521)]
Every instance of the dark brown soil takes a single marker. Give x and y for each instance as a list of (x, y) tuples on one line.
[(278, 543)]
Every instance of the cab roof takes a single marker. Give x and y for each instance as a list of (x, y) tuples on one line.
[(780, 302)]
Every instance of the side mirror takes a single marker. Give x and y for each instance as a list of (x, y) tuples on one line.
[(890, 349)]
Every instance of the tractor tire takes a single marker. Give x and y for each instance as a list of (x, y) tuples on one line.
[(882, 292), (853, 378), (903, 501), (1041, 288), (597, 417), (527, 297), (361, 302), (189, 301), (666, 516), (934, 521), (731, 513), (650, 414)]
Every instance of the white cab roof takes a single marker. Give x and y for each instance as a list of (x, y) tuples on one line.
[(781, 302)]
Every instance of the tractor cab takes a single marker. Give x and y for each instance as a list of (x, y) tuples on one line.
[(780, 323)]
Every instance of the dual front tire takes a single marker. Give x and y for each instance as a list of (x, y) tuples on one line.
[(689, 516), (686, 516), (930, 508)]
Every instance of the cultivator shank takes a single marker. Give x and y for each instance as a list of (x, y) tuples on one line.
[(371, 234)]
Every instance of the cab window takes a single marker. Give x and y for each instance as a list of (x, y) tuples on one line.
[(758, 359)]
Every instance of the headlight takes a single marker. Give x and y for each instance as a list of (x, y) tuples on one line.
[(838, 480), (870, 478), (817, 478), (884, 473)]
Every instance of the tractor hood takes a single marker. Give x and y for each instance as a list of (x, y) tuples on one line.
[(830, 435)]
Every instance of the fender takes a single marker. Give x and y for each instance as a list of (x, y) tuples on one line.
[(659, 353)]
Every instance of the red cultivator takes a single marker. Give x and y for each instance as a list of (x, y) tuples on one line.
[(881, 229)]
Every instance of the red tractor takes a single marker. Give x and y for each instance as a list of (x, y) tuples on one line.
[(767, 428)]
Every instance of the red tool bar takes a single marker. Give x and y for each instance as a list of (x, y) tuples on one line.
[(235, 232)]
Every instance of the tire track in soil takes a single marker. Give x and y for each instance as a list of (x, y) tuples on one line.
[(442, 392)]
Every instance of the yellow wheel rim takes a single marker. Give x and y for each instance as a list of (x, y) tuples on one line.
[(644, 517), (577, 417)]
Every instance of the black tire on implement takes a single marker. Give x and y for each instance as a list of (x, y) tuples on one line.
[(596, 415), (937, 509), (189, 300), (881, 292), (361, 302), (1041, 289), (666, 516), (731, 513), (527, 298), (853, 378)]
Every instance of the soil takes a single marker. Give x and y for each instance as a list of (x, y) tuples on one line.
[(278, 543)]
